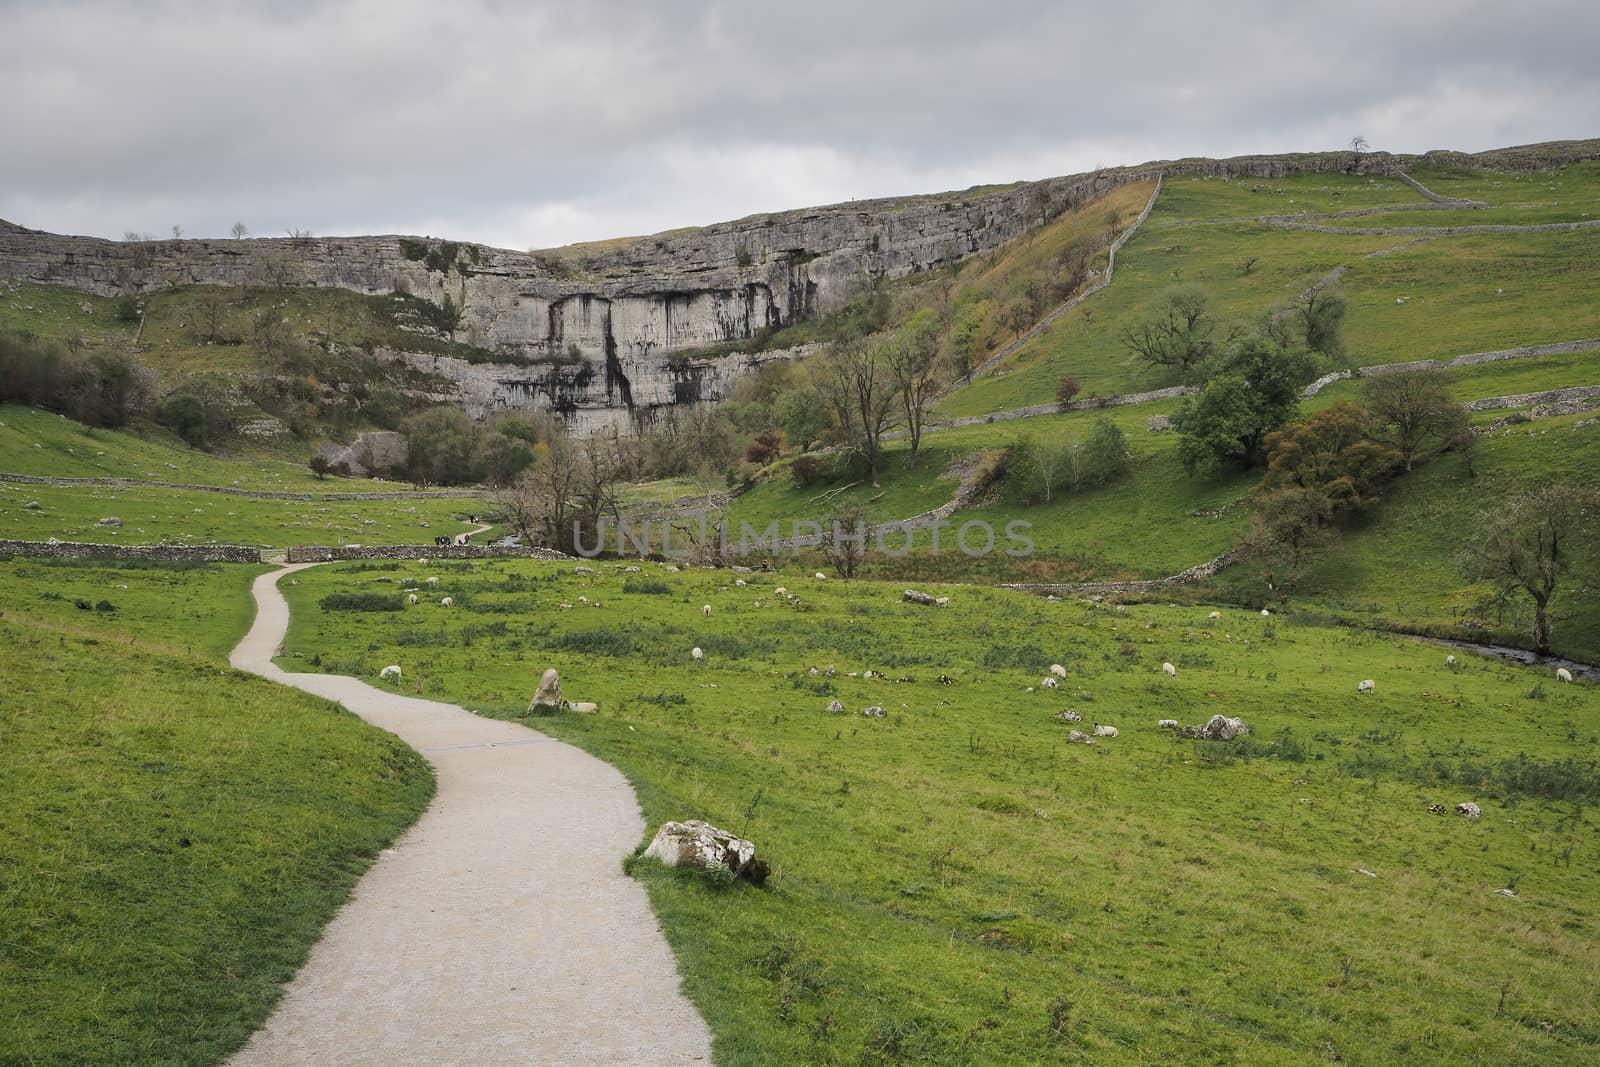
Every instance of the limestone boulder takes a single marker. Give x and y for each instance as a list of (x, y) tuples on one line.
[(700, 846), (548, 695)]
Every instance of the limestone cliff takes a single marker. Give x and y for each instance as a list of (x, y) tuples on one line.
[(604, 320)]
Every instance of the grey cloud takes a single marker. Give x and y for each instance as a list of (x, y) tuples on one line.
[(523, 124)]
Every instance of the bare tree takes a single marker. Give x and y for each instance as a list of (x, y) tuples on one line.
[(239, 231), (844, 537), (1359, 145), (1414, 409), (915, 369), (1180, 335), (859, 389), (177, 232), (1526, 547)]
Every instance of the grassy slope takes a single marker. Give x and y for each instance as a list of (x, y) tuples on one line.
[(68, 449), (1465, 294), (950, 876), (173, 835)]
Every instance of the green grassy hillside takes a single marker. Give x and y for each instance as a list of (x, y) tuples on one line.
[(957, 883), (173, 835)]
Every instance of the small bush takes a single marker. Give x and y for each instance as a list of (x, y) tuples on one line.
[(646, 586), (361, 602)]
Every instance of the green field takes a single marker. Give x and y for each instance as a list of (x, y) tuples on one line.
[(173, 835), (956, 883)]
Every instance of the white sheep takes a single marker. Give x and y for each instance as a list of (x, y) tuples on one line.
[(821, 577), (941, 602), (1449, 661), (1563, 675), (1058, 670), (1367, 686), (780, 591), (740, 581), (1265, 613), (1215, 615), (705, 609), (1167, 724), (1169, 670), (696, 653), (462, 539), (447, 602), (412, 599), (1104, 731), (1049, 682), (430, 581), (391, 671)]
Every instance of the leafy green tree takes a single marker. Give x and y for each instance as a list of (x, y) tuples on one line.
[(802, 415), (443, 445), (1105, 454), (915, 369), (1320, 311), (1415, 410), (1181, 335), (1254, 389)]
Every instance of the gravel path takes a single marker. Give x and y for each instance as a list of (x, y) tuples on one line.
[(500, 929)]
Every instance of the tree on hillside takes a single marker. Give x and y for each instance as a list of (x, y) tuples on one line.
[(1251, 390), (1359, 145), (1319, 313), (1180, 335), (801, 415), (1046, 462), (442, 443), (844, 537), (1528, 545), (239, 231), (858, 389), (320, 465), (916, 371), (1066, 390), (1415, 410)]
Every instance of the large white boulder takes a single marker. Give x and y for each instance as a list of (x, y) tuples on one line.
[(548, 695), (700, 845)]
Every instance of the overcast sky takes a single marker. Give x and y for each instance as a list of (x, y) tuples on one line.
[(537, 124)]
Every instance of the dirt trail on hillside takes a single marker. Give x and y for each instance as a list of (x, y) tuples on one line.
[(500, 928)]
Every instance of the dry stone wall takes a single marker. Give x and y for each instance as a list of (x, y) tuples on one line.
[(166, 553)]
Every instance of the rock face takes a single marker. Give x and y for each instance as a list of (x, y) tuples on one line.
[(603, 322), (911, 596), (1222, 728), (380, 453), (700, 845), (548, 695)]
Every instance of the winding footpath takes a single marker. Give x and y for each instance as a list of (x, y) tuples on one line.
[(500, 928)]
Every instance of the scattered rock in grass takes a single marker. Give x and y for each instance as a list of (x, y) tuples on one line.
[(945, 679), (874, 712), (548, 695), (1507, 892), (1167, 724), (110, 520), (584, 570), (1217, 728), (1363, 870), (836, 707), (927, 600), (1437, 809), (702, 847), (1469, 809), (32, 505), (1078, 737), (1069, 716)]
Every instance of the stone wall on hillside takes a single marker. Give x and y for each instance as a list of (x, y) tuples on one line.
[(333, 553), (165, 553)]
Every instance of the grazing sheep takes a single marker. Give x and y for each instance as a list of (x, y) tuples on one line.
[(1058, 670), (941, 602), (696, 653), (705, 609), (391, 671), (945, 679), (412, 599), (1104, 731), (1215, 615), (1563, 675), (1167, 724), (1367, 686), (740, 581), (780, 591), (448, 602), (1449, 661), (1049, 682), (821, 577), (430, 581), (1169, 670), (1265, 613)]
